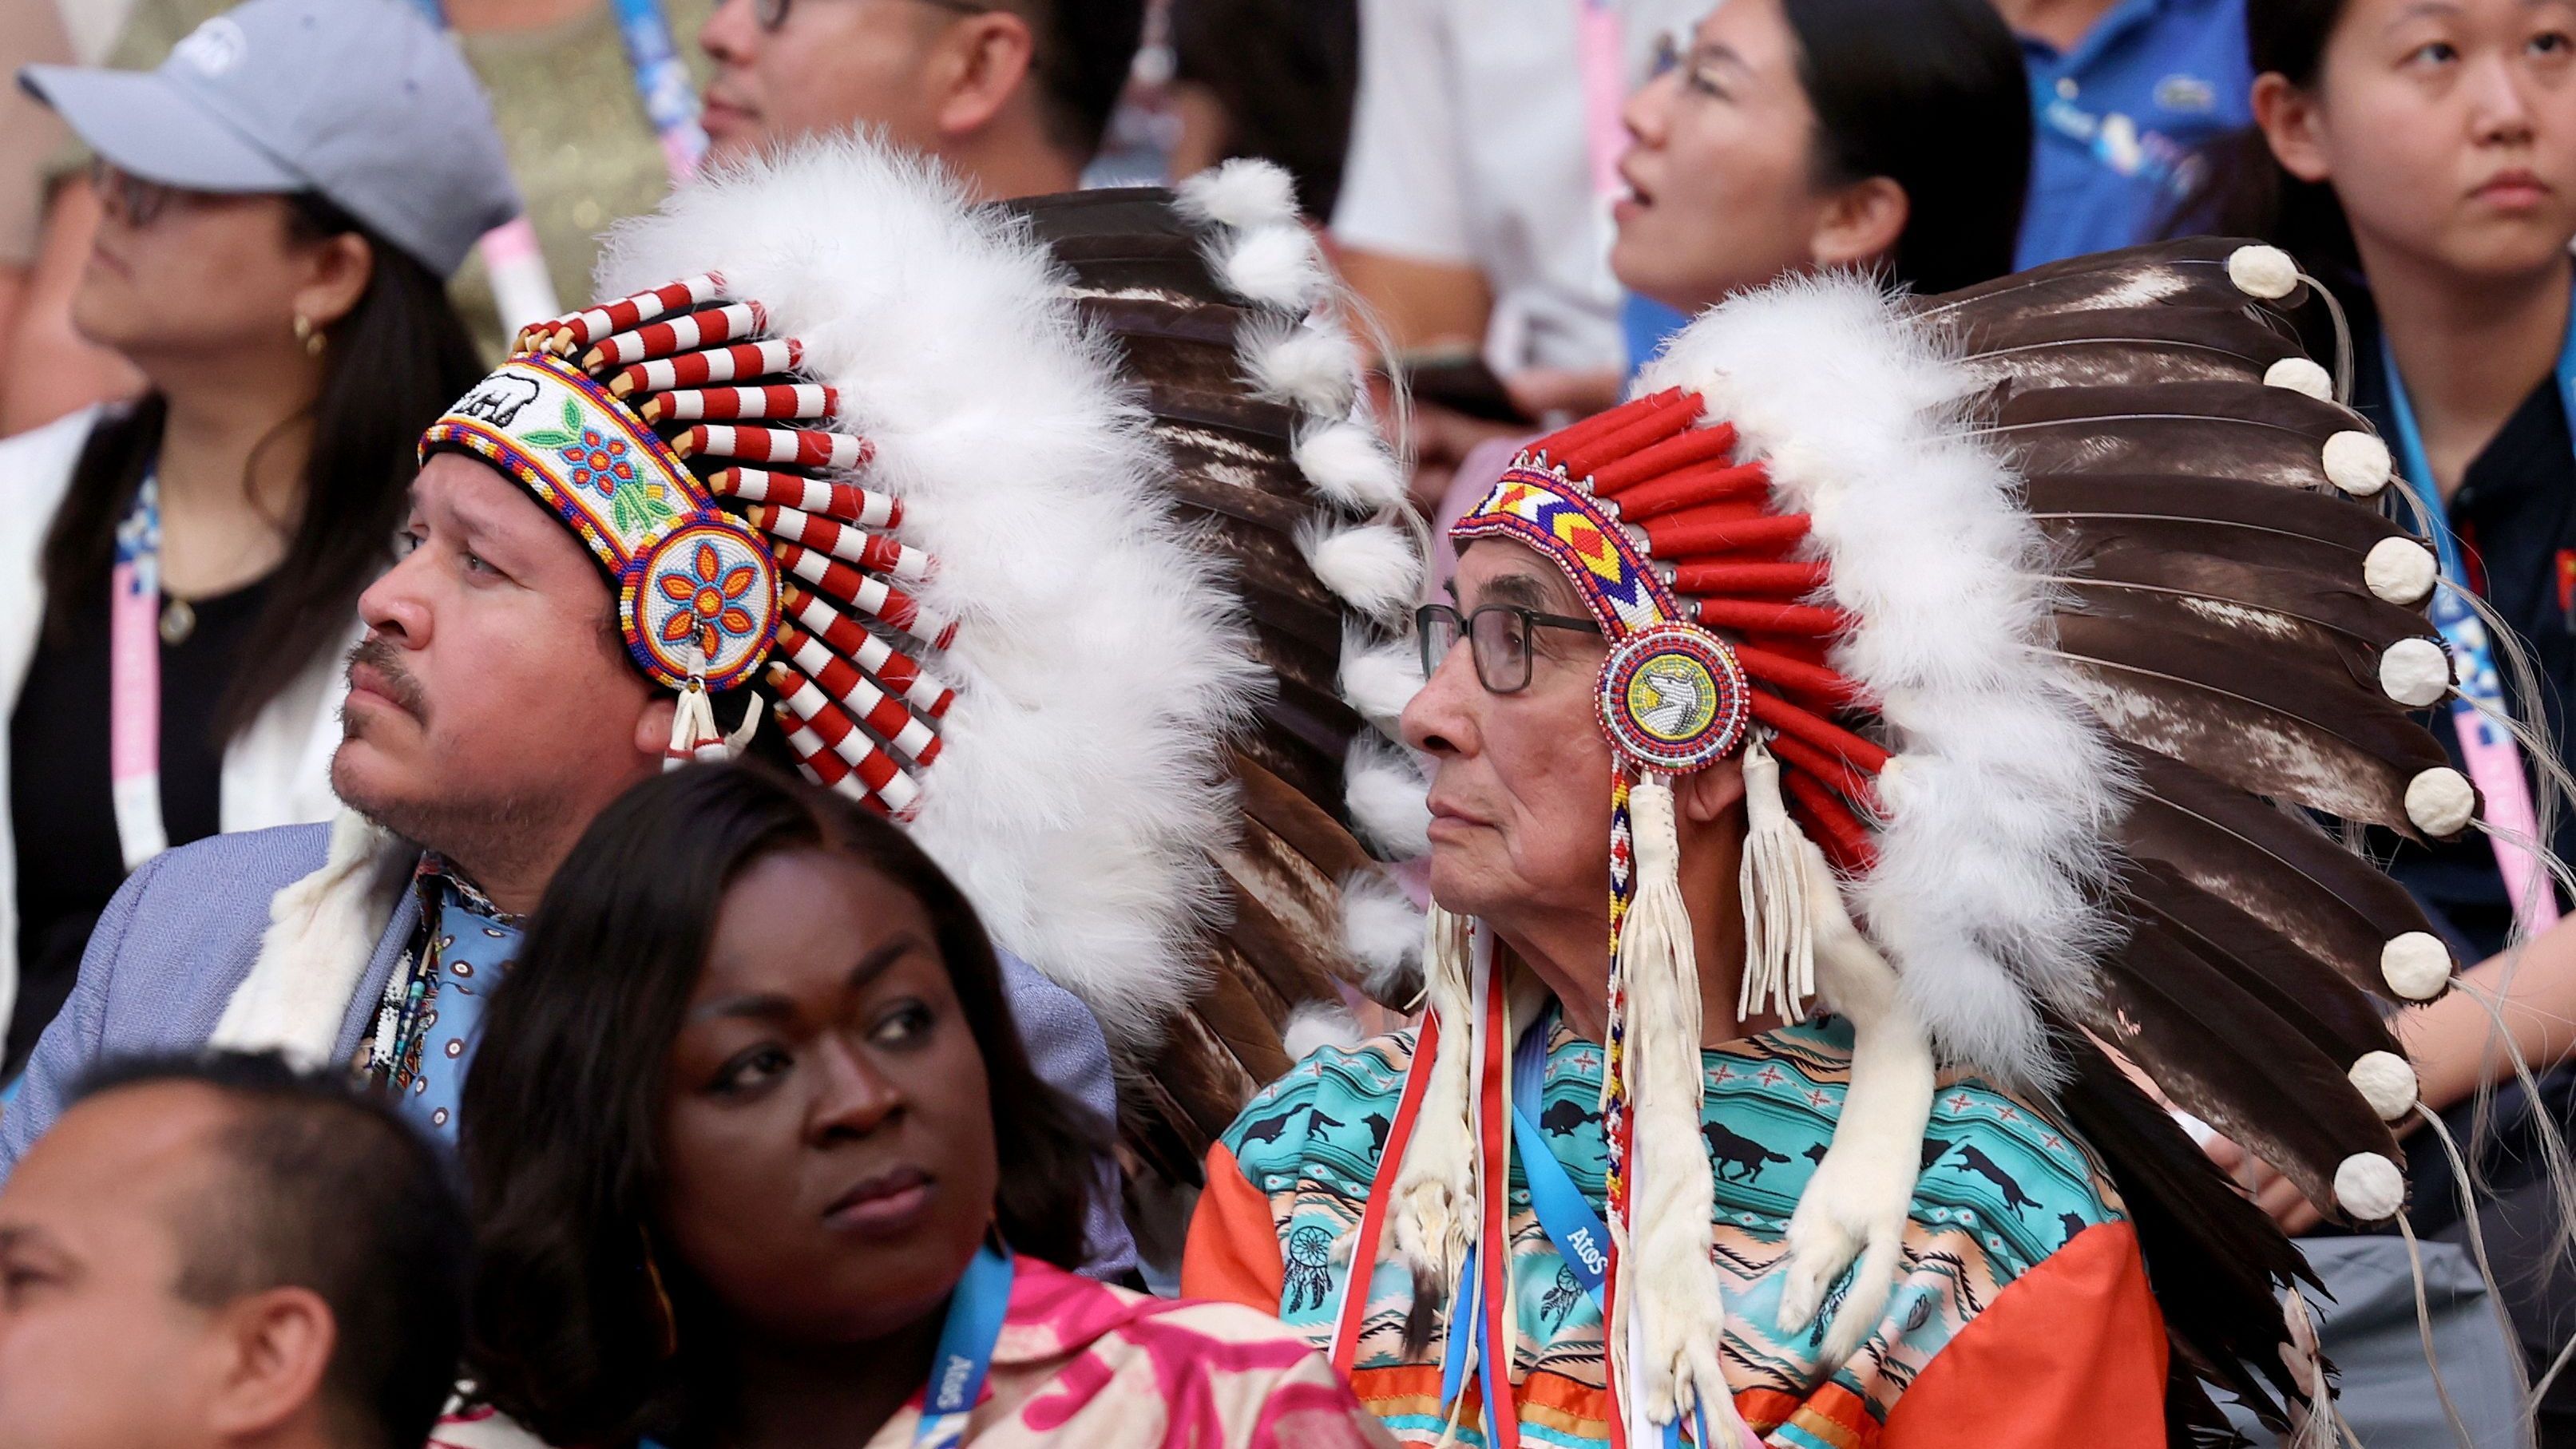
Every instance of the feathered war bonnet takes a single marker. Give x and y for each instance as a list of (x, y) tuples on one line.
[(1047, 528), (2030, 609)]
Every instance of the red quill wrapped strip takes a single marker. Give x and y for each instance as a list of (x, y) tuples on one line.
[(1659, 423), (1823, 733), (803, 698), (873, 551), (1753, 617), (1564, 441), (850, 687), (1731, 579), (1711, 484), (890, 666), (1834, 770), (1699, 445), (1829, 822), (822, 766), (776, 400), (714, 364), (845, 585), (1673, 537), (736, 322), (792, 447), (1796, 675), (583, 328), (840, 502)]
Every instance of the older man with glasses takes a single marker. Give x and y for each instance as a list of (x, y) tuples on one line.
[(1012, 95)]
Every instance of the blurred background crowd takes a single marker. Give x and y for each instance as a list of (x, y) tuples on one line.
[(235, 349)]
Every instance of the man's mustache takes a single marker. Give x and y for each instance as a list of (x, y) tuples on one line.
[(393, 680)]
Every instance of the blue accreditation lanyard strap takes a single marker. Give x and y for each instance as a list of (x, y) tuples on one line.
[(2493, 761), (975, 1313), (1582, 1239)]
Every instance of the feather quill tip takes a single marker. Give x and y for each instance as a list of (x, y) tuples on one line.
[(2441, 802), (2298, 374), (2263, 271), (2400, 571), (2387, 1083), (2416, 965), (2357, 462), (2370, 1187), (2415, 672)]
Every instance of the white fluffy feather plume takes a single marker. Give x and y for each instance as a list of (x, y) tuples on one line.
[(1348, 463), (1390, 801), (1082, 790), (1371, 566), (1379, 679), (1314, 368), (1382, 931), (2005, 792), (1241, 194)]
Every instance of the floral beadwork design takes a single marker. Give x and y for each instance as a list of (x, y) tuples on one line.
[(604, 465), (709, 594)]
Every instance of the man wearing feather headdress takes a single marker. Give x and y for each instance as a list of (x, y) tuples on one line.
[(1944, 659), (890, 486)]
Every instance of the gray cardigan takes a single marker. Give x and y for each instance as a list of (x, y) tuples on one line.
[(184, 930)]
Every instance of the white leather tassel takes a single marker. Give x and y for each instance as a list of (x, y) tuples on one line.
[(1779, 941), (1671, 1285), (693, 727), (1435, 1207)]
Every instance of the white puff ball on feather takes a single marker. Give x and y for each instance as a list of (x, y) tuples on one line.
[(1274, 266), (2399, 570), (2299, 374), (1303, 365), (1370, 566), (1382, 930), (1241, 193), (2415, 672), (2440, 801), (2386, 1082), (1379, 679), (2263, 271), (2357, 462), (2416, 965), (1389, 800), (2369, 1187), (1316, 1024), (1351, 465)]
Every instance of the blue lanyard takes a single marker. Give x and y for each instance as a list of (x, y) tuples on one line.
[(1582, 1239), (661, 78), (2419, 471), (966, 1340)]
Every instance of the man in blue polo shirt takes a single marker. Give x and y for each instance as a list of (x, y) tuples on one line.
[(2123, 93)]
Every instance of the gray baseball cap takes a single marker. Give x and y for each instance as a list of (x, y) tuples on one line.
[(359, 100)]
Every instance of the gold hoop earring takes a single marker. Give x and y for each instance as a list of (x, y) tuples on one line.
[(311, 336), (669, 1319)]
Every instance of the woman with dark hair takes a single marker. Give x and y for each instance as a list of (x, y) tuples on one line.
[(284, 200), (756, 1155), (1784, 136), (2420, 160)]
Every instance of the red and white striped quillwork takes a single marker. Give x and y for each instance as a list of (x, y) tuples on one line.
[(776, 400), (713, 364), (856, 545), (680, 334), (804, 700), (843, 502), (850, 687), (583, 328), (853, 640), (864, 592), (794, 447), (824, 767)]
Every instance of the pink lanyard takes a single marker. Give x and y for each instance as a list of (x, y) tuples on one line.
[(1600, 62), (134, 678)]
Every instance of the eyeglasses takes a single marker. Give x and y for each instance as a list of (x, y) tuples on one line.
[(773, 13), (139, 201), (1498, 639)]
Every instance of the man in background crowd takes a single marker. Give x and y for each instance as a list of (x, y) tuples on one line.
[(221, 1253), (1013, 95)]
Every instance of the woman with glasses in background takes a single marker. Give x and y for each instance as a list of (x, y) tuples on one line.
[(284, 200)]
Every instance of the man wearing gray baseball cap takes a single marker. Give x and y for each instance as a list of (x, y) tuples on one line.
[(359, 100), (282, 203)]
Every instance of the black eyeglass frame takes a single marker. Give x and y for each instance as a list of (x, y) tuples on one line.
[(1464, 630), (772, 14)]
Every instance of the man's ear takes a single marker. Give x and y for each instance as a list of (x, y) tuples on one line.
[(988, 58), (1709, 794), (1861, 223), (653, 726), (2291, 126), (279, 1345)]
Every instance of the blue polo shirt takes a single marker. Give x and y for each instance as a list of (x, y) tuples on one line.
[(2118, 118)]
